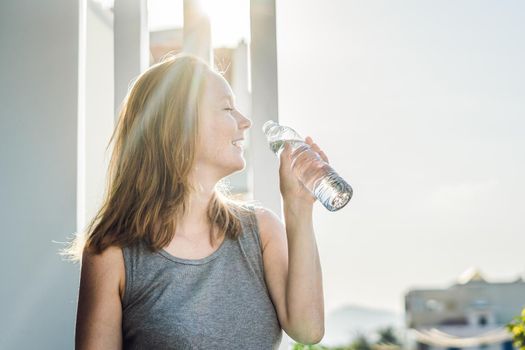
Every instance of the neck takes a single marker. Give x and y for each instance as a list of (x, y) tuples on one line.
[(194, 225)]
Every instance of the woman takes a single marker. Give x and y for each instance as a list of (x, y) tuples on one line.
[(170, 261)]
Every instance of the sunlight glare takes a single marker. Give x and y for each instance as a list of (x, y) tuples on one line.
[(230, 21)]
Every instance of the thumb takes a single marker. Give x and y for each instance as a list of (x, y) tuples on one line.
[(285, 151), (285, 147)]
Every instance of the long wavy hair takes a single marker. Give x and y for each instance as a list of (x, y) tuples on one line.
[(148, 185)]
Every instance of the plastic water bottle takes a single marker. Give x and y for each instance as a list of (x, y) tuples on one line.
[(326, 185)]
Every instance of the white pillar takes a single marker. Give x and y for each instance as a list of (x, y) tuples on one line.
[(131, 45), (197, 31), (264, 106), (99, 109), (263, 52)]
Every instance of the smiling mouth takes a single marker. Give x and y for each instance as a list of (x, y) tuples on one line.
[(238, 143)]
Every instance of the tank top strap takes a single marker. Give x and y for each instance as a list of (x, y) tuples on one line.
[(250, 241), (133, 260)]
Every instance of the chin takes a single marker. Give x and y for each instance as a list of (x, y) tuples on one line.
[(242, 166), (239, 166)]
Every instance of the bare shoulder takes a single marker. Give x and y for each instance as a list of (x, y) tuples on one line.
[(270, 225), (99, 310), (107, 267)]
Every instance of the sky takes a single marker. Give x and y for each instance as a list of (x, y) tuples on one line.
[(420, 106)]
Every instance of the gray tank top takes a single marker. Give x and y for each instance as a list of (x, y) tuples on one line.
[(217, 302)]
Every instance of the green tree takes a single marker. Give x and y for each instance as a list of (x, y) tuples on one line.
[(299, 346), (387, 336), (517, 328), (360, 343)]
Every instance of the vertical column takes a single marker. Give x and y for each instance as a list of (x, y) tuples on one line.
[(131, 44), (264, 101), (96, 119), (197, 31), (263, 51)]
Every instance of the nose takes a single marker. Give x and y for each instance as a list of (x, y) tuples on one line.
[(244, 123)]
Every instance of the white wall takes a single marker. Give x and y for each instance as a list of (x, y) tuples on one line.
[(99, 116), (38, 171)]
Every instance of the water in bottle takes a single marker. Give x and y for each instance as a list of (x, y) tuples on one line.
[(325, 184)]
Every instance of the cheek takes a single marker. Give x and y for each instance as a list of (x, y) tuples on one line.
[(217, 132), (215, 138), (214, 145), (206, 134)]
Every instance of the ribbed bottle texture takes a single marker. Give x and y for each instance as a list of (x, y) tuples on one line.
[(325, 184)]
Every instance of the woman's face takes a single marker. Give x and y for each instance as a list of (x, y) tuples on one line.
[(220, 125)]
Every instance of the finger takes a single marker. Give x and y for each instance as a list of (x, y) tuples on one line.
[(312, 144), (288, 150), (299, 153), (323, 156), (299, 150), (318, 149), (284, 150)]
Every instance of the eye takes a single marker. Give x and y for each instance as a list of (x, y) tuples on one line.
[(228, 109)]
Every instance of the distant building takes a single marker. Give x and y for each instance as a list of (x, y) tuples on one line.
[(471, 314)]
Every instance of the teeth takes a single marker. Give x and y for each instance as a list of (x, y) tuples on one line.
[(237, 143)]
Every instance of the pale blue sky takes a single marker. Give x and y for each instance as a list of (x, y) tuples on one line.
[(421, 107)]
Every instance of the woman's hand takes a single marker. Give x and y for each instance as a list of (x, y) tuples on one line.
[(303, 159)]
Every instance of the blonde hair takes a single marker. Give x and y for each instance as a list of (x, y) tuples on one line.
[(148, 185)]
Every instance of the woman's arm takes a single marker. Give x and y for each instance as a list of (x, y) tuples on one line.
[(99, 311), (292, 271), (291, 259), (304, 299)]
